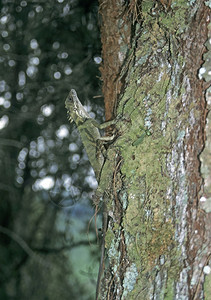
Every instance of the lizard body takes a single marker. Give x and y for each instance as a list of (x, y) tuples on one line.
[(90, 135), (88, 129)]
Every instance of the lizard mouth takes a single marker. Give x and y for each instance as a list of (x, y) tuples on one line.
[(70, 111), (68, 114), (68, 105)]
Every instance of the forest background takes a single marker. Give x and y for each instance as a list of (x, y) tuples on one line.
[(48, 249)]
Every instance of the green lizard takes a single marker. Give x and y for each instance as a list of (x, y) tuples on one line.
[(89, 131), (90, 135)]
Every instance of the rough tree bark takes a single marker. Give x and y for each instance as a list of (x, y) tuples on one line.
[(155, 180)]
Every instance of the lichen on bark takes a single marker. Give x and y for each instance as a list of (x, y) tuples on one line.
[(160, 115)]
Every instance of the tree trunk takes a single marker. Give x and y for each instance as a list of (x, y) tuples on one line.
[(156, 191)]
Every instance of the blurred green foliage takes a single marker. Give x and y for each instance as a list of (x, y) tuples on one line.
[(46, 182)]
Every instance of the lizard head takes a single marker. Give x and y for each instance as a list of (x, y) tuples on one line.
[(76, 111)]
